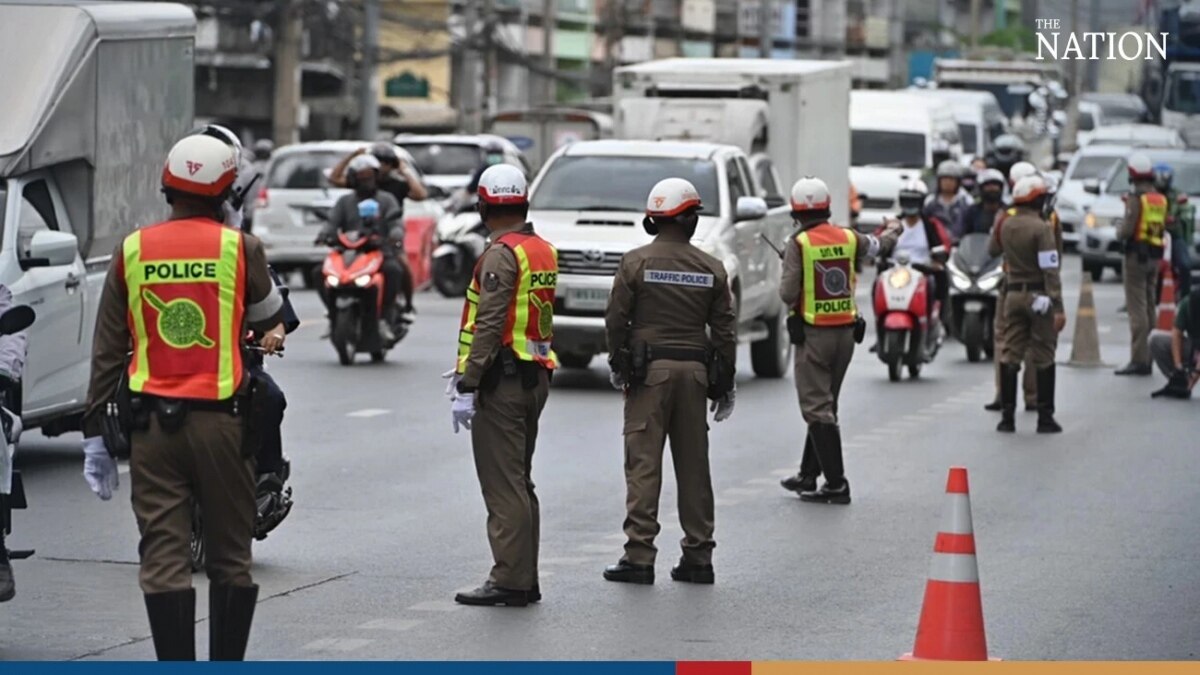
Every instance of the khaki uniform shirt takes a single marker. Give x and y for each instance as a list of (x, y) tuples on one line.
[(498, 272), (1030, 253), (666, 293), (112, 339)]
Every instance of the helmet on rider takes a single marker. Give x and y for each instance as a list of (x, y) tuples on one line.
[(1163, 176), (949, 169), (810, 201), (1140, 167), (200, 168), (1007, 150), (363, 175), (672, 200), (263, 148), (223, 134), (493, 153), (386, 154), (1021, 170), (912, 197), (1029, 190), (991, 185)]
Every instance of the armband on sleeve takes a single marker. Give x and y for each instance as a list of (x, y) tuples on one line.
[(1048, 260)]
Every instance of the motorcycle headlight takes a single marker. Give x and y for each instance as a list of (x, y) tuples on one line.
[(900, 278), (990, 280), (959, 280), (332, 280), (362, 281)]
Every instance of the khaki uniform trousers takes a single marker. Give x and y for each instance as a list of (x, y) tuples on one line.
[(820, 368), (1029, 375), (1028, 337), (201, 463), (1141, 283), (503, 437), (669, 404)]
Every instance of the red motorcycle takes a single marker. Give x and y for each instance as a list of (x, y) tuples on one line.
[(353, 273), (909, 335)]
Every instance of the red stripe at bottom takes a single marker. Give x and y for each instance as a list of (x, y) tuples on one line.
[(712, 668)]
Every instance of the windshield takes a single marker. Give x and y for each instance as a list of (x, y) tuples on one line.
[(1091, 167), (968, 133), (619, 183), (445, 159), (1186, 180), (1183, 92), (887, 148), (302, 170)]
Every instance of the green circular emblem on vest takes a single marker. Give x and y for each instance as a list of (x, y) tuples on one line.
[(181, 322)]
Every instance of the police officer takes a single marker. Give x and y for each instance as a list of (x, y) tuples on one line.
[(502, 379), (181, 294), (666, 296), (1142, 232), (818, 284), (1033, 305)]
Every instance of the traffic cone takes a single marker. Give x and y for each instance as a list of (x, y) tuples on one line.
[(951, 626), (1166, 300), (1085, 347)]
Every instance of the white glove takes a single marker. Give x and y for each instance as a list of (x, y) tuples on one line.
[(99, 468), (617, 382), (724, 406), (1041, 304), (452, 385), (462, 409)]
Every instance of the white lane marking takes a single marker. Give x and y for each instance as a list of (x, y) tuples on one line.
[(782, 473), (725, 502), (1104, 330), (763, 481), (368, 412), (337, 644), (853, 445), (615, 537), (868, 438), (741, 492), (564, 561), (122, 468), (545, 575), (394, 625), (436, 605), (918, 417), (594, 548)]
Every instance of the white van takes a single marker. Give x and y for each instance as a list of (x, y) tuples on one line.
[(978, 116), (893, 135)]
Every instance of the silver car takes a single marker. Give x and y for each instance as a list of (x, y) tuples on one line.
[(1074, 201), (295, 199), (1099, 246)]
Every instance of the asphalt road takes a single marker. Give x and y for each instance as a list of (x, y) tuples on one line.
[(1086, 541)]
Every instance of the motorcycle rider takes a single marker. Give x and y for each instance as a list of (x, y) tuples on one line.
[(493, 154), (1006, 151), (1179, 226), (363, 176), (927, 243), (981, 216), (12, 366), (951, 200)]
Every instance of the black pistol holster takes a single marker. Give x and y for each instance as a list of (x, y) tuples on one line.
[(125, 413), (795, 329), (639, 363), (860, 329), (721, 374)]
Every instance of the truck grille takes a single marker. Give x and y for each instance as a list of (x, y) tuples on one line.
[(592, 263)]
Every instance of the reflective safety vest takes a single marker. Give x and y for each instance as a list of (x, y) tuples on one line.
[(828, 254), (186, 285), (1153, 221), (529, 330)]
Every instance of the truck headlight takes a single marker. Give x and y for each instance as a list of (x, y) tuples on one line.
[(362, 280), (1090, 220)]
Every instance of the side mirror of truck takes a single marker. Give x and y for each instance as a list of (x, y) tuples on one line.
[(750, 208), (48, 248), (16, 319), (1091, 186), (775, 201)]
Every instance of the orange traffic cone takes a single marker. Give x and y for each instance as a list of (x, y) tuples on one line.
[(951, 626), (1166, 302)]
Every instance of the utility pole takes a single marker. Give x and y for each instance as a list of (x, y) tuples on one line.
[(368, 128), (1093, 66), (975, 23), (1073, 106), (764, 28), (468, 105), (489, 62), (286, 108), (549, 27)]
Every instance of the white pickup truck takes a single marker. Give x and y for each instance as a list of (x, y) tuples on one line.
[(589, 200), (100, 94)]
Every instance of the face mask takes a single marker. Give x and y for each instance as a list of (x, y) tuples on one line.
[(990, 196)]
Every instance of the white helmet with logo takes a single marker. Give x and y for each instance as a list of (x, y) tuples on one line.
[(912, 197), (671, 197), (201, 166), (1140, 167), (810, 194), (1021, 170), (503, 184), (364, 162), (1028, 189)]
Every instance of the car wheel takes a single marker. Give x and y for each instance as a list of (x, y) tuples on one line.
[(769, 357), (575, 360)]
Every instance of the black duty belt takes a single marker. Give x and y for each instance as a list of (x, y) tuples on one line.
[(1019, 287), (234, 405), (654, 353)]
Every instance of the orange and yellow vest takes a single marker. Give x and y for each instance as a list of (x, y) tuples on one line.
[(186, 286), (828, 254), (529, 329), (1153, 221)]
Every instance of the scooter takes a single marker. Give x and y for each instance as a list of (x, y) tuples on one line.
[(975, 277), (271, 507), (353, 273), (908, 334), (461, 240), (12, 489)]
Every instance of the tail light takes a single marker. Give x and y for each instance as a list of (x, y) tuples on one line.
[(263, 199)]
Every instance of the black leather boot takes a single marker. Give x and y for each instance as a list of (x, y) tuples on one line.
[(1045, 401), (693, 574), (491, 595), (827, 441), (173, 624), (810, 469), (1008, 398), (231, 611), (629, 573)]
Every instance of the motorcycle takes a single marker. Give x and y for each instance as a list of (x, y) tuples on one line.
[(975, 277), (353, 273), (273, 504), (12, 488), (909, 335), (461, 240)]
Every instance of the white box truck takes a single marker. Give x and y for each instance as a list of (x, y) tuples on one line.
[(95, 95), (792, 114)]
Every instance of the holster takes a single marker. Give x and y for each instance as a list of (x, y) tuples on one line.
[(125, 413), (638, 363), (622, 364), (795, 328), (860, 329), (720, 376)]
